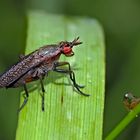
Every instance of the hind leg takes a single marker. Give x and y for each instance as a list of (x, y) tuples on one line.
[(25, 95)]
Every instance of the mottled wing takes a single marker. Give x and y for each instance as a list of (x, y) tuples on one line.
[(19, 69)]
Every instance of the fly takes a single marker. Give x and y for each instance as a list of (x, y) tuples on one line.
[(37, 64)]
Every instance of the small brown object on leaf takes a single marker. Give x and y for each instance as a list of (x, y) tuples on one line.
[(130, 101)]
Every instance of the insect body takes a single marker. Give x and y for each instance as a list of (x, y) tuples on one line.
[(37, 64), (130, 101)]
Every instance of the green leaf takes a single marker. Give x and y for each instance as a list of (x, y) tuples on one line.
[(67, 115)]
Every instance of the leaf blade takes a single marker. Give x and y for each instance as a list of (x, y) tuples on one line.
[(68, 115)]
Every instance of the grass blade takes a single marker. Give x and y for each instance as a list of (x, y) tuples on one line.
[(67, 115)]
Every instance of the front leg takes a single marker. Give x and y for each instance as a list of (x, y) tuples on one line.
[(71, 74)]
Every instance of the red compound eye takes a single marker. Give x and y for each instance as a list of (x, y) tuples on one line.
[(67, 50)]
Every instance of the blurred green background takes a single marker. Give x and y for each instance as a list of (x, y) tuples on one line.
[(121, 22)]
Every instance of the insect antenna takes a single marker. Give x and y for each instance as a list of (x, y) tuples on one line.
[(75, 42)]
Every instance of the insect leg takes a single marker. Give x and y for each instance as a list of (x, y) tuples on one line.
[(71, 74), (21, 56), (26, 95), (39, 73), (43, 93)]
